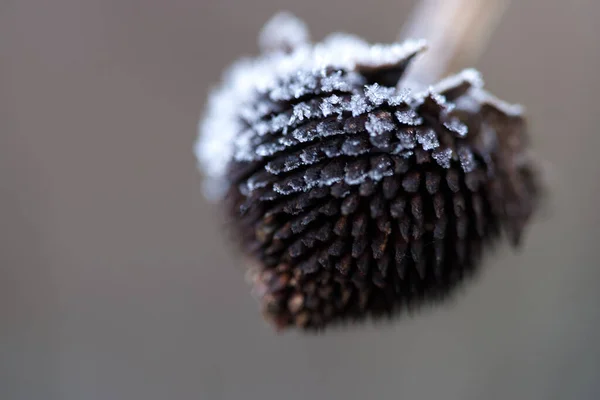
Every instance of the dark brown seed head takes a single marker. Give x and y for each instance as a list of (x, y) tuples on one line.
[(356, 196)]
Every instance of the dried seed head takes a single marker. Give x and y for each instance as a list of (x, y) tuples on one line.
[(357, 197)]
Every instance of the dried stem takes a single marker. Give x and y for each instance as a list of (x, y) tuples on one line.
[(457, 32)]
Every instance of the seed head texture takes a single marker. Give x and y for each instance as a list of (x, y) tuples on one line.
[(354, 195)]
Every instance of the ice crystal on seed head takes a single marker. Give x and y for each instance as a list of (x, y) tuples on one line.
[(377, 94), (427, 138), (378, 124), (443, 157), (408, 117), (331, 105), (288, 60)]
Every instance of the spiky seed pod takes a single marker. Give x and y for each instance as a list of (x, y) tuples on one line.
[(356, 196)]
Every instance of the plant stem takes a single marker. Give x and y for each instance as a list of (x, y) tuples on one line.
[(457, 31)]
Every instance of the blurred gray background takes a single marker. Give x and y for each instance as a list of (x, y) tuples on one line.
[(116, 283)]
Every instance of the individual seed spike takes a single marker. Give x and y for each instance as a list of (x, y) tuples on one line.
[(355, 197)]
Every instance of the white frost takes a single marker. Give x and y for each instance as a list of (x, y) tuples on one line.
[(376, 125), (220, 130)]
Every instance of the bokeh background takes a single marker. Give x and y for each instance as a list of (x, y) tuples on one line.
[(117, 283)]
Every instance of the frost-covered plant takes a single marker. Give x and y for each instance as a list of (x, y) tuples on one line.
[(356, 195)]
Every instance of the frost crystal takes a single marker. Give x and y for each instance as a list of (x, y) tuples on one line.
[(301, 111), (443, 157), (331, 105), (377, 94), (329, 128), (456, 85), (378, 124), (427, 139), (397, 98), (466, 158), (335, 82), (279, 122), (457, 127), (381, 167), (358, 105), (408, 117), (407, 139), (265, 150)]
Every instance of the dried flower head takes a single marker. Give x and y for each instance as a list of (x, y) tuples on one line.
[(355, 195)]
